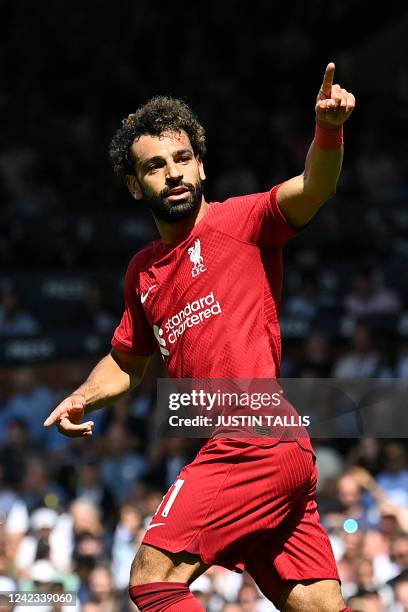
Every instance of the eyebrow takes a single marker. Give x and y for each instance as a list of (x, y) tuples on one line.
[(159, 158)]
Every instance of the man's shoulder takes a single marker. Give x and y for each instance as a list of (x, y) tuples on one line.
[(242, 199), (143, 258), (241, 204)]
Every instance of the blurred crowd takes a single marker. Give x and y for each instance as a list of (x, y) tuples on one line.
[(72, 513)]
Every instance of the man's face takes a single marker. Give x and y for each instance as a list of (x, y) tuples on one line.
[(399, 550), (168, 175), (349, 491)]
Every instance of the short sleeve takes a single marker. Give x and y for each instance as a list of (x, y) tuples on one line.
[(133, 334), (257, 219), (274, 229)]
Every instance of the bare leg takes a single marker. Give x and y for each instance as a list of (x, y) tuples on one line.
[(312, 595), (157, 565)]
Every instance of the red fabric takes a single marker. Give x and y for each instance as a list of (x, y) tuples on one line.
[(213, 314), (328, 139), (346, 610), (164, 596), (245, 506), (218, 317)]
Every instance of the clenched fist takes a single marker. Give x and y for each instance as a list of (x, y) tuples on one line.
[(68, 415)]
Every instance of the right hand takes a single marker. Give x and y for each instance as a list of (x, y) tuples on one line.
[(68, 415), (334, 104)]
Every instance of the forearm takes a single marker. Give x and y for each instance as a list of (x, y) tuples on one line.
[(322, 170), (301, 197), (106, 383)]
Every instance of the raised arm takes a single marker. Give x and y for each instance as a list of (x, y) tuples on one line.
[(111, 378), (301, 197)]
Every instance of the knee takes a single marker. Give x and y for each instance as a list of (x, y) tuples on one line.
[(156, 565), (308, 596)]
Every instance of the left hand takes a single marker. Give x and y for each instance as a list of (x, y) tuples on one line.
[(333, 104), (68, 416)]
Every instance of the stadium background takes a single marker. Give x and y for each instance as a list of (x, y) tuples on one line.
[(74, 511)]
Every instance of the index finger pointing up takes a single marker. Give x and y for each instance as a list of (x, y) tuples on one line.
[(328, 79)]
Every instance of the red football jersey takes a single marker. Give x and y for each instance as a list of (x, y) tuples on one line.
[(211, 302)]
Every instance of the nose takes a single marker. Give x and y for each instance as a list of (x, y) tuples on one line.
[(173, 172)]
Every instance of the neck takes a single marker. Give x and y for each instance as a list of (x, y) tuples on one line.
[(175, 232)]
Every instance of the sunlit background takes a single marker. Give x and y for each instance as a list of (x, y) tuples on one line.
[(74, 512)]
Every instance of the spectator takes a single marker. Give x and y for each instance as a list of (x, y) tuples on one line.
[(125, 544), (376, 547), (15, 320), (38, 487), (401, 596), (362, 360), (85, 518), (39, 544), (90, 487), (13, 513), (305, 303), (369, 297), (350, 495), (317, 353), (102, 589), (168, 457), (394, 478), (249, 598), (14, 452), (30, 402), (94, 313), (347, 565), (92, 606), (399, 554), (365, 580), (122, 463), (367, 601), (377, 172)]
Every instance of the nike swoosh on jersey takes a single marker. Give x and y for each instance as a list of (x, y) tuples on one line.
[(143, 296), (155, 525)]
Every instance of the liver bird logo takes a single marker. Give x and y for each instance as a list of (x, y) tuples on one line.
[(196, 258)]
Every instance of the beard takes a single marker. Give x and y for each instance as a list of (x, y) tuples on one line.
[(172, 212)]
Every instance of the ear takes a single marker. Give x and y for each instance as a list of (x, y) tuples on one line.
[(201, 168), (133, 186)]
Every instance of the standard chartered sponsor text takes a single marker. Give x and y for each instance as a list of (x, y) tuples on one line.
[(192, 314)]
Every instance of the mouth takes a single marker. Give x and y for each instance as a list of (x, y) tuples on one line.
[(178, 193)]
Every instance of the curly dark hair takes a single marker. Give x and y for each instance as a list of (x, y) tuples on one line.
[(158, 115)]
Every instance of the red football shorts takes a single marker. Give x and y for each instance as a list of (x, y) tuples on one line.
[(244, 506)]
